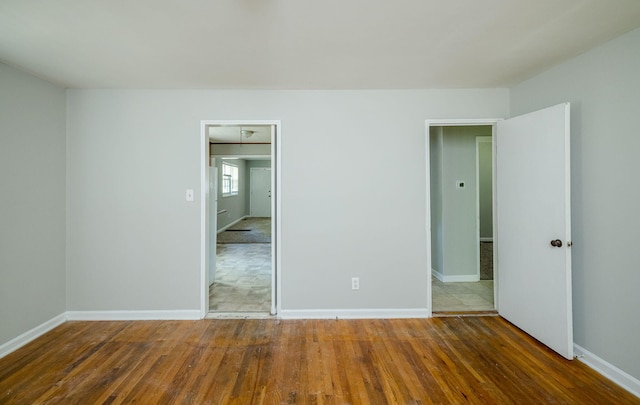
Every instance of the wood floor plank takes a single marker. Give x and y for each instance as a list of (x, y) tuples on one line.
[(212, 359), (449, 360)]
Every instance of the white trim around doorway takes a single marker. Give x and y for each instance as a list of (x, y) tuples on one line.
[(275, 209), (444, 123)]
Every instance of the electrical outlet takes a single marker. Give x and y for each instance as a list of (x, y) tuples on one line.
[(355, 283)]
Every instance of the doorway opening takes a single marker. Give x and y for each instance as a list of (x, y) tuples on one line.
[(460, 216), (240, 218), (531, 222)]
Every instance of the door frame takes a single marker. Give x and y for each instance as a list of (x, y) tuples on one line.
[(213, 171), (449, 123), (251, 171), (205, 156)]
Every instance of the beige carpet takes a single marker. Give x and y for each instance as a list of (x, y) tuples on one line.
[(486, 260), (249, 230)]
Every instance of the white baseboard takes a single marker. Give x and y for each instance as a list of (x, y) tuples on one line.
[(353, 313), (239, 315), (608, 370), (187, 314), (224, 228), (489, 239), (32, 334), (467, 278)]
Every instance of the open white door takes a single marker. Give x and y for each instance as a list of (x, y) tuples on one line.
[(534, 225), (213, 220)]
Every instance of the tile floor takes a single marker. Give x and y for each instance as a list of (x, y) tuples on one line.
[(476, 296), (243, 278)]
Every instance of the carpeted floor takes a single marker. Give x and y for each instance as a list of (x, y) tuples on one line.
[(249, 230), (486, 260)]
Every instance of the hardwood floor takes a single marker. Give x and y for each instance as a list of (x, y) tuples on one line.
[(439, 360)]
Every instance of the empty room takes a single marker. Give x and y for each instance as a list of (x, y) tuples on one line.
[(335, 148)]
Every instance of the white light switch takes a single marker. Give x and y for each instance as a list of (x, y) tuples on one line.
[(190, 195)]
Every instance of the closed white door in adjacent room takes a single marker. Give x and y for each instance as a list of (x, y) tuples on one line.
[(533, 229), (260, 192)]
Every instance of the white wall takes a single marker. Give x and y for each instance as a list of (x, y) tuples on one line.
[(134, 241), (604, 89), (32, 201), (259, 164), (459, 205)]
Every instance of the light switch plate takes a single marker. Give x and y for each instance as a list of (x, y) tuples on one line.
[(189, 196)]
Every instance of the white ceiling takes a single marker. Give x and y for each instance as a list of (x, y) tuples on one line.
[(303, 44)]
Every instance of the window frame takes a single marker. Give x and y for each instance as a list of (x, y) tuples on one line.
[(230, 184)]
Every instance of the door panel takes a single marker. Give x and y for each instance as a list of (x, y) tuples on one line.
[(260, 192), (533, 209)]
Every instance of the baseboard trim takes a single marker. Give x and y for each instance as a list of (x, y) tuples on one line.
[(224, 228), (608, 370), (186, 314), (490, 239), (354, 313), (467, 278), (239, 315), (17, 342)]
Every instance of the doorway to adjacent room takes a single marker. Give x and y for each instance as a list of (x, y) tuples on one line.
[(461, 218), (241, 237)]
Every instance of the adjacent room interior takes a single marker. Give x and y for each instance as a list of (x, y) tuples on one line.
[(240, 273), (461, 219)]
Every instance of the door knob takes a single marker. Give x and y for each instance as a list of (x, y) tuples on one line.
[(556, 243)]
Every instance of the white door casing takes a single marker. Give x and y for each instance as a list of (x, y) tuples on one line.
[(533, 209), (213, 220), (442, 123), (205, 209)]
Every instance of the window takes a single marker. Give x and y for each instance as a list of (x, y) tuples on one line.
[(229, 179)]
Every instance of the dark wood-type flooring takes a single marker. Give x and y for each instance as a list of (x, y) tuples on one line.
[(480, 360)]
